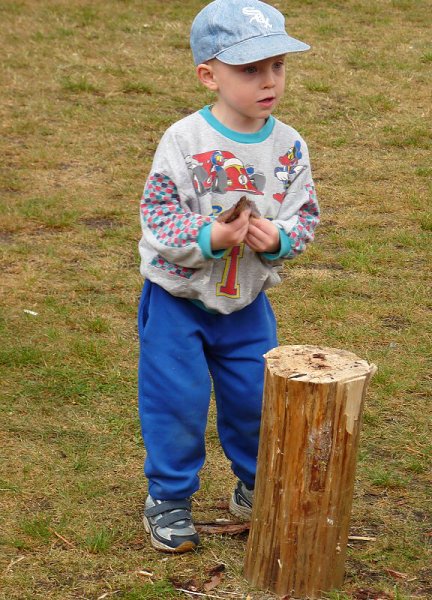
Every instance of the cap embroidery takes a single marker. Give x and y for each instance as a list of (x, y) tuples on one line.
[(257, 16)]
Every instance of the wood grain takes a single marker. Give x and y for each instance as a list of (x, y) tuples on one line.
[(313, 402)]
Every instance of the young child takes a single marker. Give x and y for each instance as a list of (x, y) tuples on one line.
[(203, 314)]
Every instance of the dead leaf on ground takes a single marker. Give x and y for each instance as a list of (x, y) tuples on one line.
[(191, 585), (370, 594), (216, 575), (216, 569)]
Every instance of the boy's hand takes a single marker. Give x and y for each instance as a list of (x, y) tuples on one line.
[(227, 235), (262, 236)]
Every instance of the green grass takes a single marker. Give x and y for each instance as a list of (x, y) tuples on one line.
[(318, 86), (99, 540), (87, 91), (137, 87), (79, 84), (37, 528), (150, 591)]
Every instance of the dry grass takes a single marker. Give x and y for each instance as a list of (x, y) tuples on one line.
[(87, 89)]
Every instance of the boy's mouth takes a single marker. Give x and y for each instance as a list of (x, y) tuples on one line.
[(267, 101)]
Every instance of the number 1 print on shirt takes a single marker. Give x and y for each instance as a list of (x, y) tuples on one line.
[(229, 285)]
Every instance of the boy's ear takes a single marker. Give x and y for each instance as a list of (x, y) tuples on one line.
[(206, 76)]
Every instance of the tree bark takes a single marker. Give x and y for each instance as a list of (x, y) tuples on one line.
[(313, 402)]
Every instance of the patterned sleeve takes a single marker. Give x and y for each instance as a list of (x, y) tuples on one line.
[(170, 229), (302, 230), (299, 211)]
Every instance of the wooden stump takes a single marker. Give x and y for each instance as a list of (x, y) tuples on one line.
[(313, 402)]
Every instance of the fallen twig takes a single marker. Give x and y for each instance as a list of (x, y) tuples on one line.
[(108, 594), (414, 451), (144, 573), (222, 528), (63, 539), (396, 574), (14, 562)]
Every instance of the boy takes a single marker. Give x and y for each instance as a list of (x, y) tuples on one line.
[(203, 310)]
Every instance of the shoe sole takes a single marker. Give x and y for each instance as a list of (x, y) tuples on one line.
[(185, 547), (242, 512)]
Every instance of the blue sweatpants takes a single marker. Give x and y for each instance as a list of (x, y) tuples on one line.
[(181, 346)]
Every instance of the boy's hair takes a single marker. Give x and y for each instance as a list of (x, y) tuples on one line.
[(238, 32)]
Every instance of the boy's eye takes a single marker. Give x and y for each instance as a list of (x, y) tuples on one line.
[(278, 65), (250, 69)]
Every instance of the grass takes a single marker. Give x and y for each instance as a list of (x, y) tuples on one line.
[(87, 91)]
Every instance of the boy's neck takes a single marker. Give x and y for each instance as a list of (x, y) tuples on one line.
[(239, 123)]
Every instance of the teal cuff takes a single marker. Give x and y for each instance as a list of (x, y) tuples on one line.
[(202, 306), (285, 247), (204, 242)]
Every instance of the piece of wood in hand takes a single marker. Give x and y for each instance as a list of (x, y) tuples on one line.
[(234, 212)]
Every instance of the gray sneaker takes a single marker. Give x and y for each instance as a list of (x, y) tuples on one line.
[(169, 523), (241, 502)]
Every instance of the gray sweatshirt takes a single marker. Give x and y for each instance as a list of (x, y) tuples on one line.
[(202, 168)]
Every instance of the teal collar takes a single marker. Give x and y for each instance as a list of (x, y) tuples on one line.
[(236, 136)]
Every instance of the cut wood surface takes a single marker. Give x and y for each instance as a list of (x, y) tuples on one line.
[(313, 402)]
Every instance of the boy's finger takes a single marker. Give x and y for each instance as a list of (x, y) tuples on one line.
[(241, 221)]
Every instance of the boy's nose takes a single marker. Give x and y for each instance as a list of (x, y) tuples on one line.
[(269, 79)]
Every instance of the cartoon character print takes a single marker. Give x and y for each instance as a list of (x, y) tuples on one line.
[(221, 171), (290, 169)]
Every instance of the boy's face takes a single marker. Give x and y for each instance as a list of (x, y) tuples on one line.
[(247, 94)]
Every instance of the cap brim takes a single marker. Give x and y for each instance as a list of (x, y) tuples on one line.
[(260, 48)]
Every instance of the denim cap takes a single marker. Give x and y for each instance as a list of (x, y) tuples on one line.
[(238, 32)]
